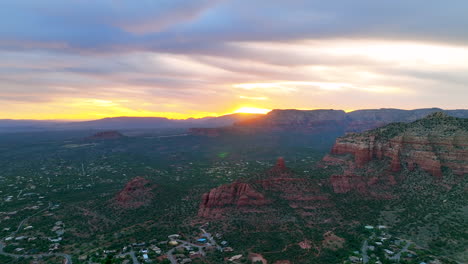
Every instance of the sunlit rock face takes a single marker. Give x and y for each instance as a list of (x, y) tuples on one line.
[(430, 144), (237, 195), (263, 193)]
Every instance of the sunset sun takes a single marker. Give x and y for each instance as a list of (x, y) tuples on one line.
[(252, 110)]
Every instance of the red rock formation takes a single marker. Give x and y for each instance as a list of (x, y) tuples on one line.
[(279, 170), (238, 195), (282, 262), (426, 152), (136, 193), (430, 144), (346, 183), (280, 164), (301, 194)]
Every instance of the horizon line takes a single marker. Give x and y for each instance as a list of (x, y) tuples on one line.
[(213, 116)]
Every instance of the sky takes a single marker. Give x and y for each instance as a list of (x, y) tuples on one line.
[(87, 59)]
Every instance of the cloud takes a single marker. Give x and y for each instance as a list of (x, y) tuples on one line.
[(206, 26), (210, 56)]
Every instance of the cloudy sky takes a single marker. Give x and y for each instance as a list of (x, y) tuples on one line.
[(87, 59)]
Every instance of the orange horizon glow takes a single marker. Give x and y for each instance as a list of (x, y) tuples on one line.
[(251, 110), (81, 109), (264, 86)]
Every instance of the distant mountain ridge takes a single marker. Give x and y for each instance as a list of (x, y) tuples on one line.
[(320, 121), (122, 123), (323, 120)]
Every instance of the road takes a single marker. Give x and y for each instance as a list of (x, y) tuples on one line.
[(398, 255), (365, 257), (65, 256), (27, 218), (132, 255), (2, 244), (211, 239)]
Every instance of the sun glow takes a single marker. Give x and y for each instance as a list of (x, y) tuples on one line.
[(252, 110)]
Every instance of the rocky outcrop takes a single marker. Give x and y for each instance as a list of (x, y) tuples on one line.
[(346, 183), (137, 193), (430, 144), (279, 170), (106, 135), (260, 194), (237, 195)]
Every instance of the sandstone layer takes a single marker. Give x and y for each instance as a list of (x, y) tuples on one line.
[(433, 144)]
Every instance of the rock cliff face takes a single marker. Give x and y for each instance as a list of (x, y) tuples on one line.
[(430, 144), (136, 193), (238, 195), (261, 194)]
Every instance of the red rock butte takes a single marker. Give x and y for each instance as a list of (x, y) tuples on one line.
[(136, 193), (253, 195), (280, 163), (279, 170)]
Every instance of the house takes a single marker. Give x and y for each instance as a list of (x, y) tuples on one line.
[(234, 258), (156, 249), (173, 243), (194, 253), (389, 252), (228, 249), (174, 236), (202, 240), (55, 240)]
